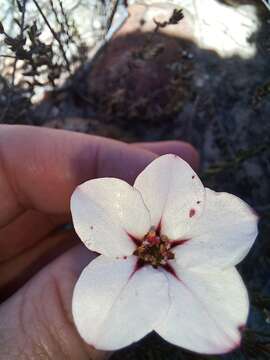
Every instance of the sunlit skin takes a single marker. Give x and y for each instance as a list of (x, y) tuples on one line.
[(40, 261)]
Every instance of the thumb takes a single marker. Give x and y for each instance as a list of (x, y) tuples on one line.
[(36, 322)]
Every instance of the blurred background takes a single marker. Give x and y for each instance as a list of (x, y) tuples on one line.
[(195, 70)]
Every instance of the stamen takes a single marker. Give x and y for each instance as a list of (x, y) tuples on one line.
[(154, 249)]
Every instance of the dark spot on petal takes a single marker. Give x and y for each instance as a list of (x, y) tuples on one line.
[(192, 213), (198, 202), (193, 176), (91, 227), (125, 257)]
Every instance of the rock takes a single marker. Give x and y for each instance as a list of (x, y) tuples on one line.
[(223, 26), (142, 75), (141, 18)]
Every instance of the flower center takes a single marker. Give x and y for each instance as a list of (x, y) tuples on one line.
[(154, 249)]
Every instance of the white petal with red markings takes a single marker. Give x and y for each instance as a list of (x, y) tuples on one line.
[(207, 311), (105, 211), (222, 236), (173, 193), (114, 307)]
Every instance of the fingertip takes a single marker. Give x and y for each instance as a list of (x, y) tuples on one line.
[(46, 165), (188, 152), (181, 148)]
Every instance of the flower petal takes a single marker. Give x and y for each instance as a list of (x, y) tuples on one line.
[(207, 311), (113, 306), (222, 236), (105, 211), (173, 193)]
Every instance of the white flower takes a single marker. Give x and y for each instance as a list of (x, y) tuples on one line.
[(168, 249)]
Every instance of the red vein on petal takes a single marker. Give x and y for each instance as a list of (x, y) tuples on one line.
[(136, 241), (158, 228), (175, 243), (139, 264), (170, 270)]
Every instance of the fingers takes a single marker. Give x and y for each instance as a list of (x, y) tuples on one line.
[(39, 168), (181, 148), (37, 319), (25, 230), (21, 267)]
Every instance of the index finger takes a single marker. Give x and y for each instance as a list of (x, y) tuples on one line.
[(39, 168)]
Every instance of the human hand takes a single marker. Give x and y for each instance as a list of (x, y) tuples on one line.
[(40, 258)]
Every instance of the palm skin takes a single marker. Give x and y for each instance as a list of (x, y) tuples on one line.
[(40, 257)]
